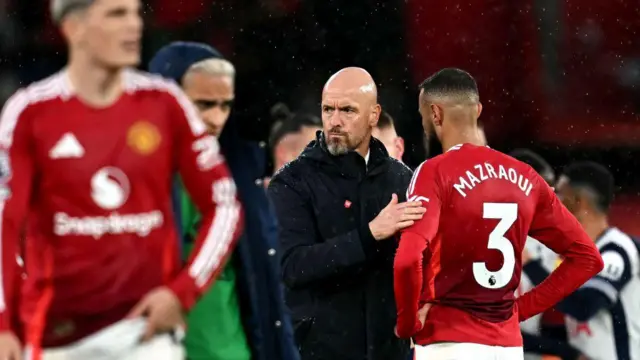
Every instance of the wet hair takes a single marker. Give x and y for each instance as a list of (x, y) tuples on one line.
[(595, 178), (61, 8), (286, 122), (451, 82), (385, 121)]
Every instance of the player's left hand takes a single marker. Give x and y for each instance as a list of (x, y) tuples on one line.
[(422, 317), (162, 310)]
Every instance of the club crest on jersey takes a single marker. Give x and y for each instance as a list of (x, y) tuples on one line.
[(143, 137)]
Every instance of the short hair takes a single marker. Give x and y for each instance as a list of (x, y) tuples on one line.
[(61, 8), (286, 122), (451, 82), (385, 121), (214, 67), (595, 178), (540, 165)]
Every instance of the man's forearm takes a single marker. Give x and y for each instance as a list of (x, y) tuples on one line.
[(582, 261), (305, 264)]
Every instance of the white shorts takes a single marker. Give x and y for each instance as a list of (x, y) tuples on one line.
[(467, 351), (119, 341)]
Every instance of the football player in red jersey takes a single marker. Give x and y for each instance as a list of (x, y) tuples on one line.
[(88, 156), (462, 260)]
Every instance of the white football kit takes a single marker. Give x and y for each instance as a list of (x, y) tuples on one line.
[(613, 333)]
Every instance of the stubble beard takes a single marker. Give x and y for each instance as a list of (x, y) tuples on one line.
[(337, 146)]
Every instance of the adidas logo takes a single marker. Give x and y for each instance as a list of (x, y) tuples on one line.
[(66, 148)]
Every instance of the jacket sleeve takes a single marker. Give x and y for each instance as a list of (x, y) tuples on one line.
[(306, 258), (16, 178), (207, 178)]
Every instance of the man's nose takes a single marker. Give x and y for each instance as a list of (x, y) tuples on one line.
[(213, 116), (335, 119)]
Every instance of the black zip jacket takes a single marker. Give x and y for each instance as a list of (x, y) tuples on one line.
[(339, 279)]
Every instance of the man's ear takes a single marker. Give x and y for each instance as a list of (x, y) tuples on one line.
[(375, 115), (479, 109), (398, 143), (72, 27), (437, 114)]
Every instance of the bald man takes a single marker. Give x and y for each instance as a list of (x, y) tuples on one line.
[(339, 205)]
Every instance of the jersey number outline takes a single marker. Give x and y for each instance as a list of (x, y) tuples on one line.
[(507, 213)]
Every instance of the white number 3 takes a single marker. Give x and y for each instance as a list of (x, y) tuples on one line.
[(507, 214)]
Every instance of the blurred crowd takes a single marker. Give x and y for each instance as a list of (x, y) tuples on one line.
[(562, 76)]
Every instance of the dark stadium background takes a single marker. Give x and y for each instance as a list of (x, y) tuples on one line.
[(559, 76)]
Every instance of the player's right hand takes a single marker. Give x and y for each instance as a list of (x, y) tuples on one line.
[(395, 216), (10, 348)]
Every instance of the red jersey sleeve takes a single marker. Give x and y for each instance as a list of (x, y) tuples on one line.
[(208, 180), (554, 226), (16, 175), (407, 269)]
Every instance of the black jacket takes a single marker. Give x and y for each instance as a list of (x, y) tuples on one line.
[(339, 279)]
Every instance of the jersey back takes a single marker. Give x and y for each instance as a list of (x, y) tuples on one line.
[(487, 203)]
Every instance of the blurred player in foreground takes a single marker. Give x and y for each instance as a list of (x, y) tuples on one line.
[(89, 155), (481, 205), (234, 319), (603, 316), (386, 132), (214, 324)]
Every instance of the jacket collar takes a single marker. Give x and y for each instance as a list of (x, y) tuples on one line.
[(351, 164)]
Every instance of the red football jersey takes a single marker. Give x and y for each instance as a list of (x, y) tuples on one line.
[(93, 187), (464, 255)]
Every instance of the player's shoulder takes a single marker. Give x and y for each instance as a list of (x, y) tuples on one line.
[(399, 168), (430, 165), (138, 81), (293, 172), (50, 88), (615, 241), (142, 82)]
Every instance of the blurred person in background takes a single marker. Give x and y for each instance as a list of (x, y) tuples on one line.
[(603, 316), (247, 295), (290, 134), (337, 228), (88, 155), (536, 344), (385, 131)]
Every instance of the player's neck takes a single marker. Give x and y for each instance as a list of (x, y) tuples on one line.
[(466, 135), (95, 85), (594, 225)]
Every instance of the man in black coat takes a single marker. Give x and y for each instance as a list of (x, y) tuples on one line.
[(339, 207)]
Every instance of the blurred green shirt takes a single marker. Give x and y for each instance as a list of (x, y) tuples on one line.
[(214, 324)]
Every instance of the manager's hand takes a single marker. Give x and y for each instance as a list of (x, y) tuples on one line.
[(10, 348), (394, 217)]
